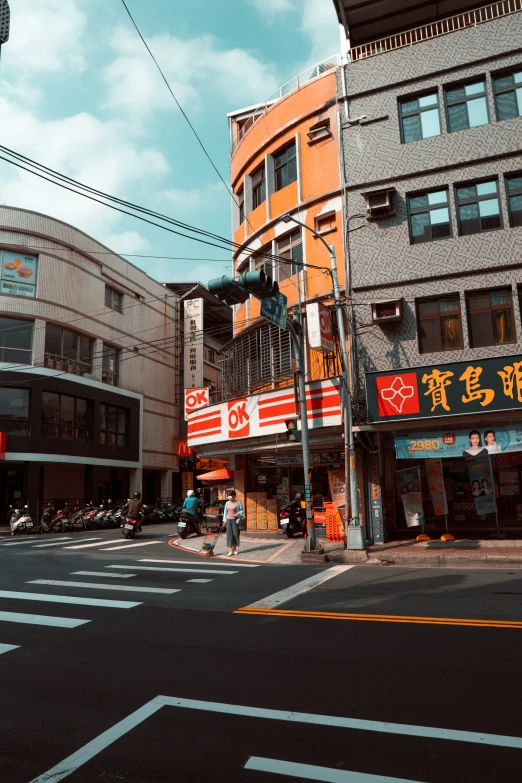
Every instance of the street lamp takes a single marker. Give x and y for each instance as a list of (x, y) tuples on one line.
[(4, 22), (351, 496)]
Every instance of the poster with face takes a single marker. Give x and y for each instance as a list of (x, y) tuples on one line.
[(481, 481)]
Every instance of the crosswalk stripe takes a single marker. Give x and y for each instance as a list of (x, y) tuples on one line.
[(8, 647), (68, 599), (32, 539), (41, 619), (130, 546), (200, 581), (200, 561), (177, 570), (98, 586), (101, 573), (101, 542), (41, 546)]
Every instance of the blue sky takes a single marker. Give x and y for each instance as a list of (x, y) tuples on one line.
[(79, 93)]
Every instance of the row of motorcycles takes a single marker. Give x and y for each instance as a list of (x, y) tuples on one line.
[(109, 514)]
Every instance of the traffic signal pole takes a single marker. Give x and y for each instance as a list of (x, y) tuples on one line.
[(311, 538)]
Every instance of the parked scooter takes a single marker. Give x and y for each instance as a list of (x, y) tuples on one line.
[(292, 518), (188, 524), (20, 521)]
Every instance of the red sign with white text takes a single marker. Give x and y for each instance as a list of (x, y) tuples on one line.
[(196, 399)]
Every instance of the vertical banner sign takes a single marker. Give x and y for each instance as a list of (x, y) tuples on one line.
[(337, 491), (409, 483), (481, 481), (319, 325), (375, 494), (193, 343), (436, 485)]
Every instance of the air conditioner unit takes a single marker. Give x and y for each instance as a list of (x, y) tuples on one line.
[(379, 203), (387, 311)]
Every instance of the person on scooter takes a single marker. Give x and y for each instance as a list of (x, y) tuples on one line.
[(135, 509), (192, 505)]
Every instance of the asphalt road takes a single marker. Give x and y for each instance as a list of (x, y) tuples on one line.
[(329, 684)]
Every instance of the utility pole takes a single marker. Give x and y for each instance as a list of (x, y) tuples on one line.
[(353, 528)]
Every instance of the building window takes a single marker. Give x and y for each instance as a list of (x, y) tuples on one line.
[(16, 340), (439, 324), (508, 95), (210, 357), (14, 410), (113, 299), (324, 223), (420, 117), (67, 351), (113, 425), (241, 204), (285, 166), (289, 247), (514, 193), (429, 216), (65, 417), (258, 187), (478, 207), (110, 365), (263, 264), (467, 106), (490, 315)]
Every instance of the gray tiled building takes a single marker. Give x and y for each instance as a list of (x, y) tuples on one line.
[(431, 112)]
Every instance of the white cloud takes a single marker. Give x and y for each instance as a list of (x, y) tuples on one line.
[(125, 243), (189, 201), (197, 69), (45, 35), (270, 8), (83, 148)]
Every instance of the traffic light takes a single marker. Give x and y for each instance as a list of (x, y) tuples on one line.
[(292, 433), (259, 284), (227, 290)]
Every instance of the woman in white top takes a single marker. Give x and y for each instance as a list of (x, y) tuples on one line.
[(232, 514)]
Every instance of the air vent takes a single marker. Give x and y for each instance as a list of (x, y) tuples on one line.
[(379, 203), (387, 311)]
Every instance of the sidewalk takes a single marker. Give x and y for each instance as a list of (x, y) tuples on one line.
[(275, 548)]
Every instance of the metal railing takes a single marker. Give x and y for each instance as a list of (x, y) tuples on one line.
[(436, 29), (319, 69)]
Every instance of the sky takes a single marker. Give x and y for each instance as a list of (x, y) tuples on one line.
[(80, 94)]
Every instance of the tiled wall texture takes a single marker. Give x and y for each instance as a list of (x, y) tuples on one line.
[(73, 270), (383, 262)]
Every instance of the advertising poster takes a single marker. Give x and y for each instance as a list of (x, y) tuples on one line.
[(481, 481), (336, 481), (409, 484), (436, 486), (458, 443), (18, 273)]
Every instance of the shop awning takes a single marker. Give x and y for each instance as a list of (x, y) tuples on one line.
[(217, 475)]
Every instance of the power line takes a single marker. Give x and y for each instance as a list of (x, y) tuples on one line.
[(117, 253)]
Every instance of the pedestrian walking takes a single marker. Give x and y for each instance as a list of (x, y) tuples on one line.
[(233, 514)]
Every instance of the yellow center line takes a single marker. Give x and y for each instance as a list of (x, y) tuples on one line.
[(382, 618)]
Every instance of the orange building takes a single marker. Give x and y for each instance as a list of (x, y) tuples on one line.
[(284, 161)]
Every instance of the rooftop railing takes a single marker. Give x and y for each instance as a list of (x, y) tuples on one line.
[(319, 69), (436, 29)]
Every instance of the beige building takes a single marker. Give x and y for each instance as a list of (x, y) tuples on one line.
[(89, 362)]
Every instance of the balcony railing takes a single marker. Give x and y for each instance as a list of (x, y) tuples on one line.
[(436, 29), (319, 69)]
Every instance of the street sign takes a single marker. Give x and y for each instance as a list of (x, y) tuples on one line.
[(274, 309)]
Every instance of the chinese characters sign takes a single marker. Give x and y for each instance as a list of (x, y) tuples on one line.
[(446, 389), (18, 273), (193, 343)]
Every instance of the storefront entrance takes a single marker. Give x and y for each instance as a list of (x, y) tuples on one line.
[(11, 489)]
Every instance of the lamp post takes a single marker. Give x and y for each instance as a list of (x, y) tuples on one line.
[(4, 22), (351, 496)]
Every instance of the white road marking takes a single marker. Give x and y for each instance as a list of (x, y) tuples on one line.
[(87, 752), (41, 546), (210, 561), (67, 599), (32, 539), (311, 772), (201, 581), (130, 546), (101, 542), (101, 573), (177, 570), (8, 647), (41, 619), (283, 596), (103, 586)]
